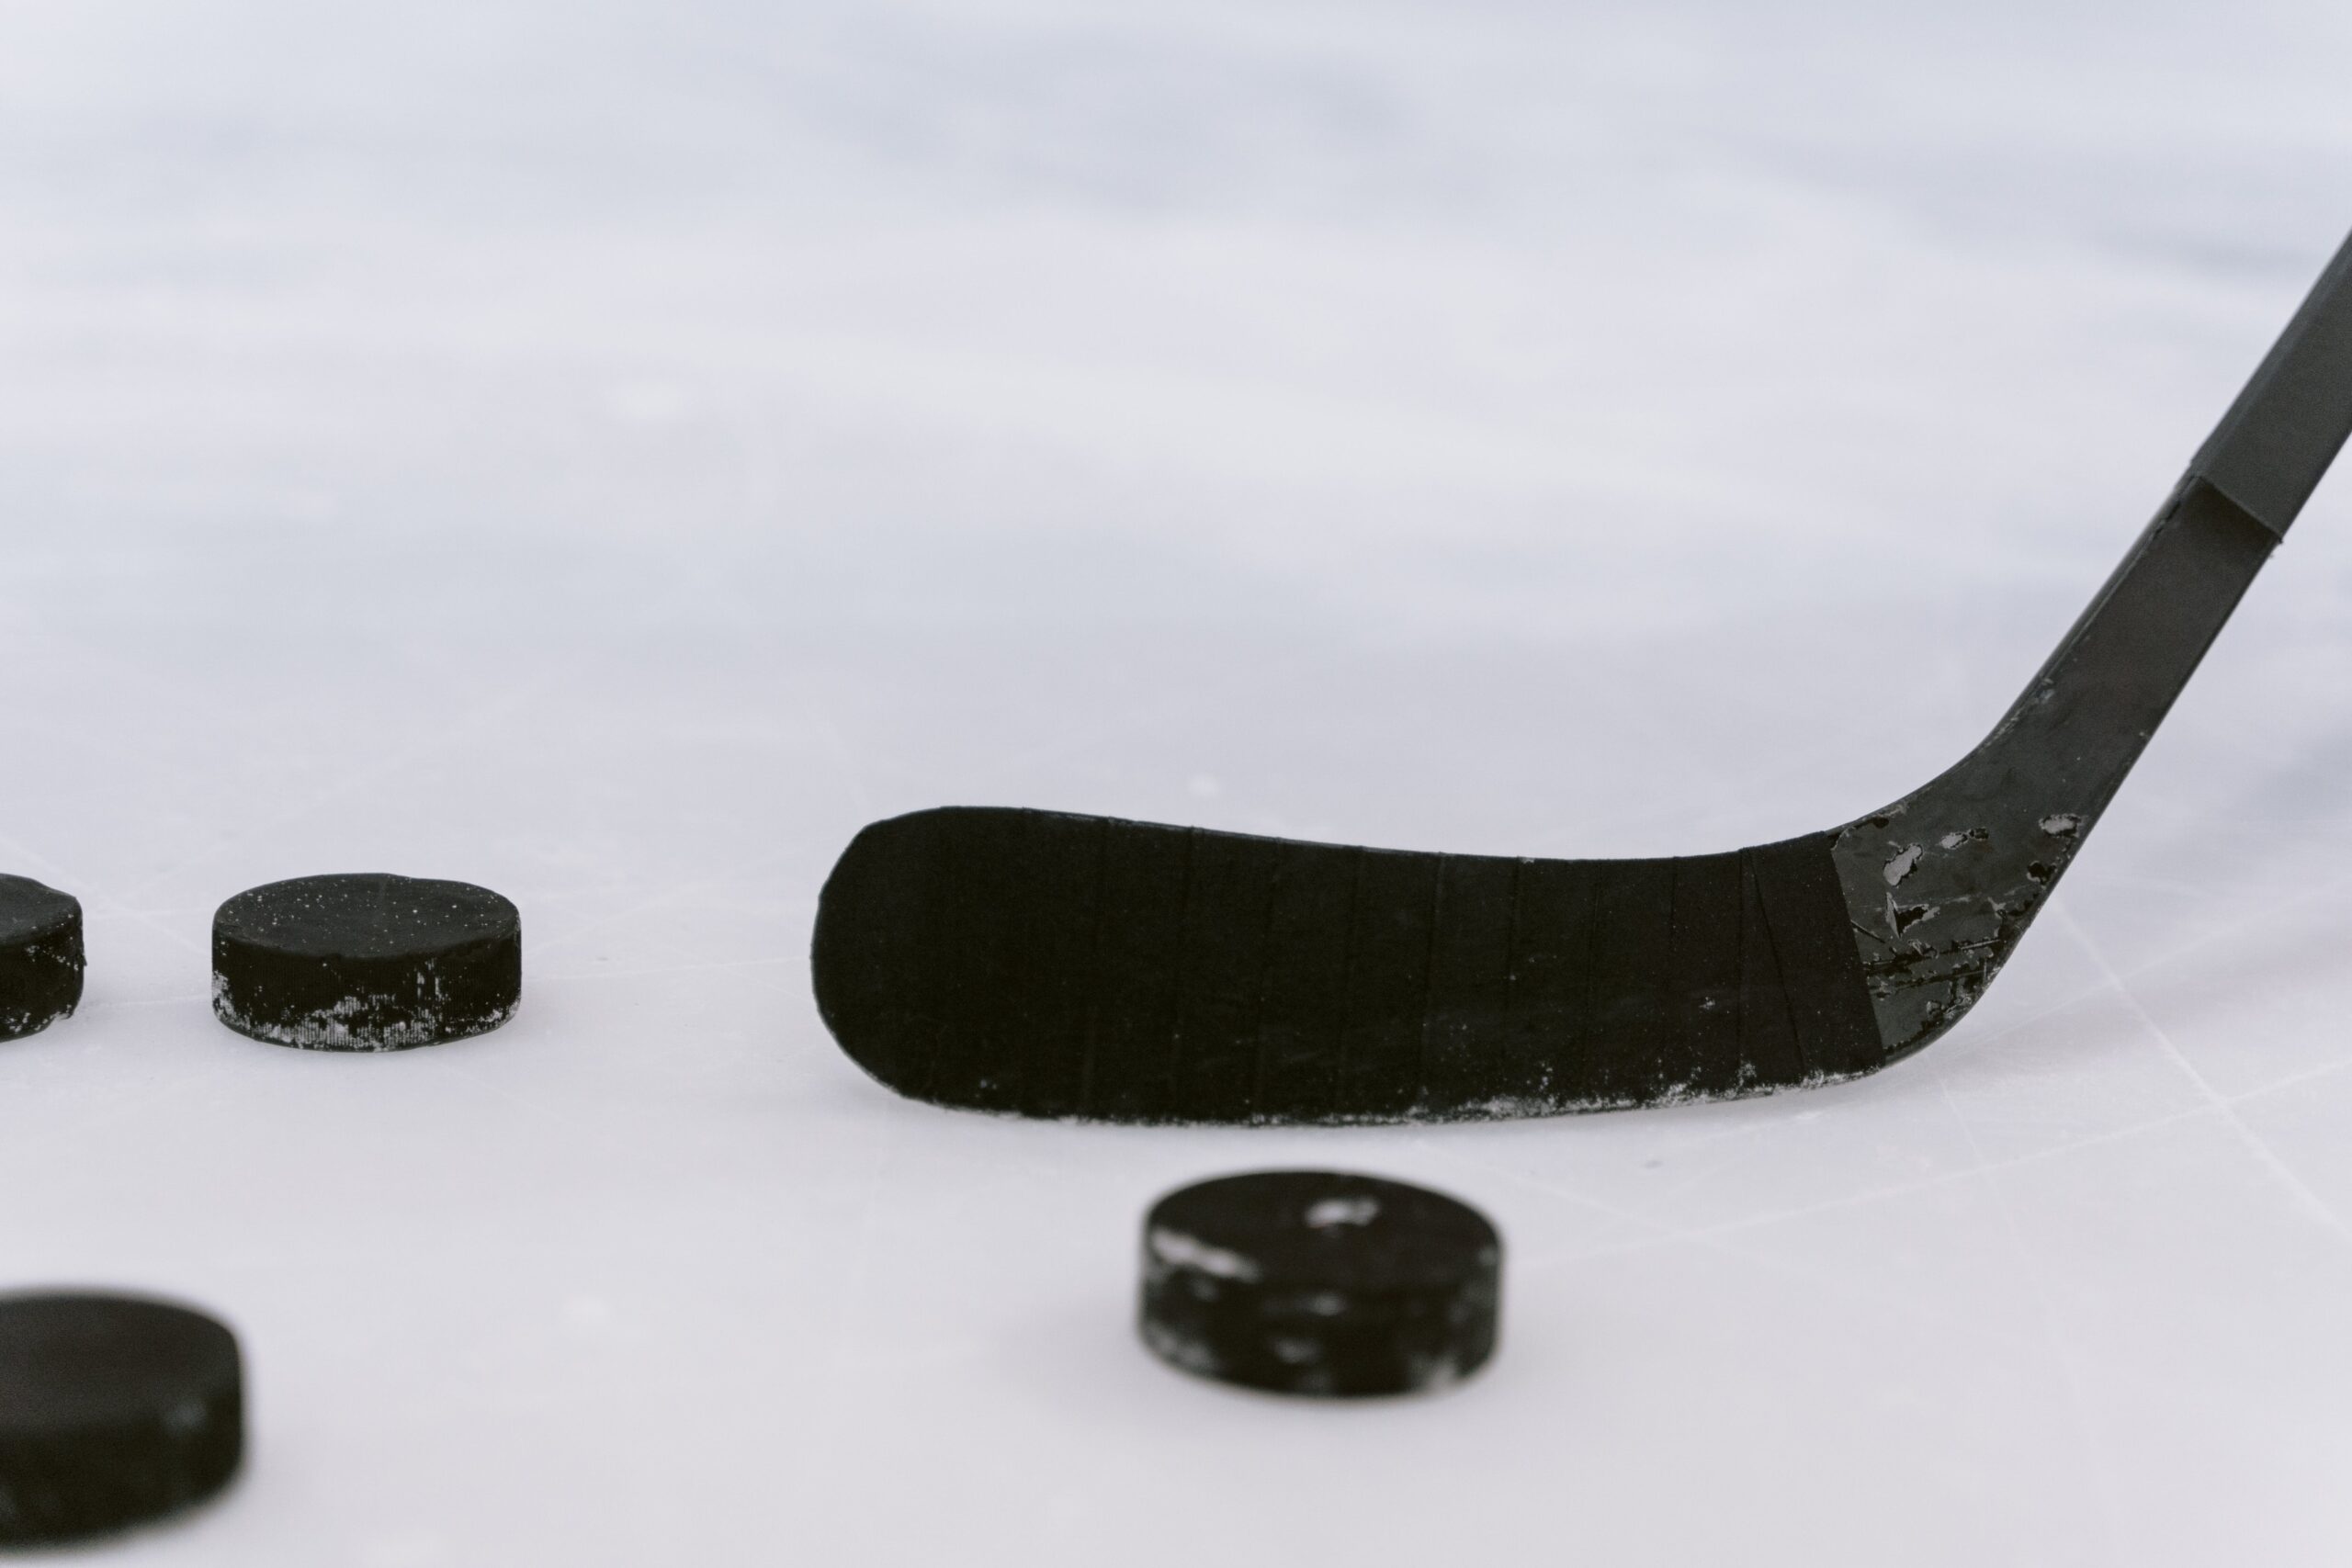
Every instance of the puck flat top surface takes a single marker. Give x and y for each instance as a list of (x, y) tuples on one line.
[(114, 1411), (28, 909), (365, 914), (1315, 1227), (76, 1361), (1320, 1283)]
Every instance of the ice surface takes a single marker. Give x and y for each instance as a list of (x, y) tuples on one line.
[(610, 452)]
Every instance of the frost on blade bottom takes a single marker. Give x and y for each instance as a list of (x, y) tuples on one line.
[(1501, 1108)]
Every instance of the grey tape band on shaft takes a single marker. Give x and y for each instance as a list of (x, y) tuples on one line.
[(2275, 445)]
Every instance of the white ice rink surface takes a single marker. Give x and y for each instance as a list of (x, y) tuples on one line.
[(609, 452)]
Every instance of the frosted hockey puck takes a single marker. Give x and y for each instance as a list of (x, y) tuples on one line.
[(113, 1411), (1315, 1282), (366, 963), (40, 955)]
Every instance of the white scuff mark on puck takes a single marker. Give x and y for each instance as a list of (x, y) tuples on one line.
[(1902, 865), (1191, 1354), (2061, 824), (1342, 1211), (1180, 1251)]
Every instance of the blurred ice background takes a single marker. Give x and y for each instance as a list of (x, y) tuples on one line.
[(609, 451)]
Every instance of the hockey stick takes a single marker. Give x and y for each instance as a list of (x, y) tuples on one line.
[(1048, 964)]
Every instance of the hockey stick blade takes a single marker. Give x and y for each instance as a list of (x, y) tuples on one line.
[(1046, 964)]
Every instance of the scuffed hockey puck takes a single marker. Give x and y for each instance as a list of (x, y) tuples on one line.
[(366, 961), (40, 955), (113, 1411), (1316, 1282)]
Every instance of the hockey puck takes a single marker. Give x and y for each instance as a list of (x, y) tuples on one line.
[(1315, 1282), (113, 1411), (366, 961), (40, 955)]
